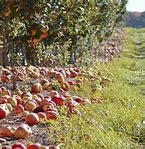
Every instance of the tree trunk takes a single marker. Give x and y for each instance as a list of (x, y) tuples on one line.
[(1, 58), (4, 61), (4, 50), (5, 58)]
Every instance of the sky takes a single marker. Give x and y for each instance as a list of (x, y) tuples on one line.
[(136, 5)]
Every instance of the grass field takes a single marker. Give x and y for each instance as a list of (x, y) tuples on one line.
[(118, 121)]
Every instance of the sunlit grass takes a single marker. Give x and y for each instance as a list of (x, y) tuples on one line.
[(116, 122)]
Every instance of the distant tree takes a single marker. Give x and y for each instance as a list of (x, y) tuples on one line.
[(135, 19)]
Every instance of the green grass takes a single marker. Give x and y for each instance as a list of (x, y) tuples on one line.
[(116, 123)]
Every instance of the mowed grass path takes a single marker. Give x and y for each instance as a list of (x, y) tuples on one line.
[(118, 122)]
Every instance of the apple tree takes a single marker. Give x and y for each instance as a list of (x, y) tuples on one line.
[(55, 32)]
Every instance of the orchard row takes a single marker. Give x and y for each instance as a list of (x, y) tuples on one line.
[(50, 33), (37, 95)]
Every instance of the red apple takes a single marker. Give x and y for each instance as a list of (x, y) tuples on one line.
[(5, 92), (38, 100), (12, 101), (9, 107), (27, 94), (71, 103), (82, 101), (45, 101), (3, 88), (34, 75), (54, 93), (70, 82), (48, 105), (24, 114), (78, 99), (5, 131), (3, 100), (18, 109), (34, 146), (45, 86), (26, 98), (59, 77), (41, 115), (58, 100), (65, 94), (73, 74), (42, 73), (22, 132), (6, 71), (3, 111), (73, 110), (30, 105), (36, 88), (32, 119), (5, 79), (42, 81), (65, 86), (77, 69), (51, 114), (18, 98), (40, 95), (18, 146)]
